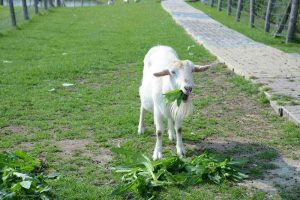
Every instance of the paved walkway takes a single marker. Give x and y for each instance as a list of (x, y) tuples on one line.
[(277, 70)]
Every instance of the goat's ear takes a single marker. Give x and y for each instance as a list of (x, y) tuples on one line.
[(198, 68), (162, 73)]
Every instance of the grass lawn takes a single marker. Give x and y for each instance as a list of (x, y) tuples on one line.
[(243, 27), (100, 50)]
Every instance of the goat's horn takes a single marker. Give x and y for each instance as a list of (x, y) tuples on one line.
[(162, 73), (203, 68)]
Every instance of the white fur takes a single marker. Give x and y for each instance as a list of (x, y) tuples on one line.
[(160, 58)]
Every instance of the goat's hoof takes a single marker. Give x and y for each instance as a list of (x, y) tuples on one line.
[(180, 151), (141, 131), (157, 155)]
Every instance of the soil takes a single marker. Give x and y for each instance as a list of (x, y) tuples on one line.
[(70, 147)]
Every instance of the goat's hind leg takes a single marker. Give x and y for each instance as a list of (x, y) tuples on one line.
[(171, 130), (141, 123), (158, 120)]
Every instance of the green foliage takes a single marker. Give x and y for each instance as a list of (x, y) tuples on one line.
[(210, 168), (23, 177), (145, 177), (174, 95)]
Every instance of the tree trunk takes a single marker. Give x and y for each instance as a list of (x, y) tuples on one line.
[(219, 5), (252, 2), (12, 13), (229, 5), (36, 8), (239, 9), (25, 10), (268, 14), (292, 21)]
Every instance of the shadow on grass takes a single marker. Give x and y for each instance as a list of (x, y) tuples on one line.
[(267, 169)]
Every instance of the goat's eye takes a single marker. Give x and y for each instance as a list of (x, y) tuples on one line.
[(173, 72)]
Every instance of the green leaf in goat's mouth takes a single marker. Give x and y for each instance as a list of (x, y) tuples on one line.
[(175, 95)]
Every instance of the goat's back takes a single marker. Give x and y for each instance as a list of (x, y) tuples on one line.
[(159, 58)]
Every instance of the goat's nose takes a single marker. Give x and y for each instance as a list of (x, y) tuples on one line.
[(188, 88)]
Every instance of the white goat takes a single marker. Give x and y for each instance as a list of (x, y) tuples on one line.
[(163, 72)]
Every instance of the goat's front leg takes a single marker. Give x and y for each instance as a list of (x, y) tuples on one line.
[(179, 144), (158, 120)]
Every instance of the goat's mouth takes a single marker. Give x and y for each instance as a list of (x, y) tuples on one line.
[(185, 97)]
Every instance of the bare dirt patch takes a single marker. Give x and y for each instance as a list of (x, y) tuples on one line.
[(89, 84), (14, 129), (69, 148), (103, 156), (95, 86), (285, 177), (25, 146)]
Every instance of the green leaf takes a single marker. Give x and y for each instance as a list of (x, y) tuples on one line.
[(10, 195), (45, 189), (26, 184), (54, 175), (16, 188), (21, 154), (121, 189), (26, 157), (44, 197), (174, 95), (22, 175)]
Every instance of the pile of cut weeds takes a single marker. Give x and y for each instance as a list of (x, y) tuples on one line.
[(23, 177), (146, 178)]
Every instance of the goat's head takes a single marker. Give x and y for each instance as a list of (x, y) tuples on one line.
[(180, 73)]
